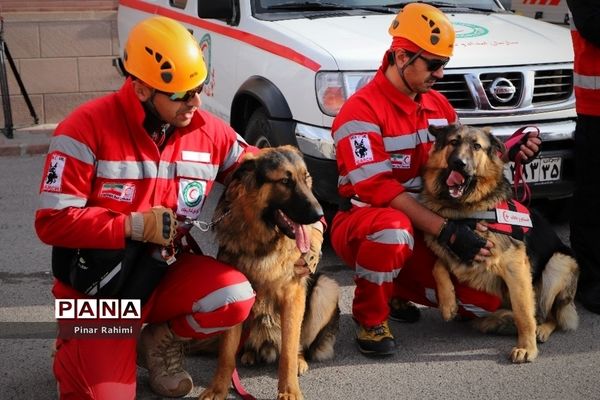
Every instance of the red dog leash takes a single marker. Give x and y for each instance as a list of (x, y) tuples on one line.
[(513, 146)]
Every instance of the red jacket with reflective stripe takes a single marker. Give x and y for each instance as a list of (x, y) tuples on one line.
[(382, 140), (587, 64), (102, 165)]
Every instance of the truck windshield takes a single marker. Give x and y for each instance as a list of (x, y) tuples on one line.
[(370, 5)]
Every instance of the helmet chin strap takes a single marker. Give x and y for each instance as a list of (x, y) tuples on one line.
[(153, 121), (401, 70)]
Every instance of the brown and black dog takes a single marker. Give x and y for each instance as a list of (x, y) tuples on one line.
[(265, 211), (533, 273)]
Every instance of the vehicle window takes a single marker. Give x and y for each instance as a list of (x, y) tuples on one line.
[(390, 3), (178, 3)]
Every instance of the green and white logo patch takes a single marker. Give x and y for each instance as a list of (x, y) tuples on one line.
[(191, 197)]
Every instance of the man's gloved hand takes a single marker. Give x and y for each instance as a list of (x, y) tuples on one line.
[(459, 236), (156, 226), (307, 263)]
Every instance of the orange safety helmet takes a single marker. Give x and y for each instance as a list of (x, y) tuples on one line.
[(164, 54), (425, 26)]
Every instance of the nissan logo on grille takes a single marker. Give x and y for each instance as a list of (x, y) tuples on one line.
[(502, 90)]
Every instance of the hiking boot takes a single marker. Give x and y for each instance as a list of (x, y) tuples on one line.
[(161, 353), (376, 340), (403, 311)]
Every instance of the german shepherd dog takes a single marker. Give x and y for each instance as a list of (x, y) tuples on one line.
[(266, 208), (534, 275)]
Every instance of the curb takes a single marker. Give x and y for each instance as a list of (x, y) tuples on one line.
[(28, 141)]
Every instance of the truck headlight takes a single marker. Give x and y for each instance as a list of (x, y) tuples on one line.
[(334, 88)]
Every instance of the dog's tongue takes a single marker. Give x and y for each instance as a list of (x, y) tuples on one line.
[(454, 179), (302, 238)]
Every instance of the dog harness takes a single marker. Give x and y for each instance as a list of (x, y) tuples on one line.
[(509, 217)]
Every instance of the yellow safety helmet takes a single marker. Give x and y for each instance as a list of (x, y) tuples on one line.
[(164, 54), (425, 26)]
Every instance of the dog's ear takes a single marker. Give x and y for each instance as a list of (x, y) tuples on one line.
[(496, 146), (441, 133), (247, 166)]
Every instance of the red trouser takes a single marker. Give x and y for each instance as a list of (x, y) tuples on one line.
[(390, 260), (199, 296)]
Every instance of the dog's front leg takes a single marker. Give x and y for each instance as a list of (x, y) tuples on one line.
[(517, 277), (228, 345), (292, 312), (445, 291)]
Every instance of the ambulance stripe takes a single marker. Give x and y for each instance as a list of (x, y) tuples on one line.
[(246, 37), (73, 148)]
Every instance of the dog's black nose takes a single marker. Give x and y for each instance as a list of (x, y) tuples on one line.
[(457, 163)]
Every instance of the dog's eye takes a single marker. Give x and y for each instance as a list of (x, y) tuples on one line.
[(453, 142), (476, 146), (287, 182)]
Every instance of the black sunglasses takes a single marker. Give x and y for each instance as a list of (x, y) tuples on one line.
[(183, 96), (433, 64)]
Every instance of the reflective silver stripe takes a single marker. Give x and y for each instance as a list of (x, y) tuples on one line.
[(73, 148), (233, 155), (166, 170), (586, 81), (197, 328), (94, 289), (478, 311), (343, 180), (376, 277), (58, 201), (354, 127), (369, 170), (392, 236), (414, 185), (196, 170), (126, 169), (409, 141), (229, 294)]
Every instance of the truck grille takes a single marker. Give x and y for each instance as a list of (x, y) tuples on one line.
[(484, 91)]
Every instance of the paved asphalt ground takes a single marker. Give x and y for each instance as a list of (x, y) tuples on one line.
[(435, 359)]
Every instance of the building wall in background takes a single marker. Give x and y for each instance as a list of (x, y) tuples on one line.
[(63, 52)]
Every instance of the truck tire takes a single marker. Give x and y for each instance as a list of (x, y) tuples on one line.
[(259, 131)]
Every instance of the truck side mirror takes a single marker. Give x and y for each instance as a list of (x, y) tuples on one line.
[(216, 9)]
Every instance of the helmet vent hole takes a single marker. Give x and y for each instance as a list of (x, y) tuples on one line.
[(158, 57), (434, 39), (149, 50), (166, 65), (166, 77)]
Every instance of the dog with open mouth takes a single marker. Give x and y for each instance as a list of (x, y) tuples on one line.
[(530, 269), (263, 229)]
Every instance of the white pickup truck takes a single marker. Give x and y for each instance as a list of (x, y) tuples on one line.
[(279, 70)]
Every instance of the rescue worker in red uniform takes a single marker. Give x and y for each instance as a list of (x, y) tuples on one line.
[(120, 172), (382, 141), (585, 218)]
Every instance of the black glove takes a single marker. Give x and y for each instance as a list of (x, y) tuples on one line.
[(460, 238)]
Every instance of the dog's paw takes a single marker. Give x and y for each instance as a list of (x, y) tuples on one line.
[(543, 332), (520, 355), (212, 393), (268, 353), (449, 311), (302, 365), (248, 358), (290, 396)]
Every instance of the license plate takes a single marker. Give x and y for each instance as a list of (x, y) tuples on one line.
[(547, 169)]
